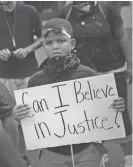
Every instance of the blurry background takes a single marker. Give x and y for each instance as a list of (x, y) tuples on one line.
[(50, 9)]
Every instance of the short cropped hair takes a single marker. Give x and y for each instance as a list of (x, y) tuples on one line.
[(58, 23)]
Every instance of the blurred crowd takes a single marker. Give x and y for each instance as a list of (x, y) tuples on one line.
[(80, 39)]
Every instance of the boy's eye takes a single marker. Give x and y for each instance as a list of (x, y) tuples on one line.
[(48, 42), (61, 40)]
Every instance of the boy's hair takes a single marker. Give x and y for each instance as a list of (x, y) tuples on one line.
[(58, 23)]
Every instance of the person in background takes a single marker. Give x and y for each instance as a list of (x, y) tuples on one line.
[(62, 64), (7, 103), (8, 155), (102, 40), (19, 24)]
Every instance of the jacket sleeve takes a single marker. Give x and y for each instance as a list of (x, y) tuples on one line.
[(114, 19), (30, 84), (7, 102)]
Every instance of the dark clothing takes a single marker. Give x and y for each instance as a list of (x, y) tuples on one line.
[(27, 24), (72, 71), (7, 102), (122, 92), (98, 42), (8, 155), (93, 33), (47, 76)]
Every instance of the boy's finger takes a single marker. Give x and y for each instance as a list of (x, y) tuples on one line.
[(120, 107), (22, 106), (121, 110), (24, 113), (25, 109), (118, 103), (118, 99), (22, 117)]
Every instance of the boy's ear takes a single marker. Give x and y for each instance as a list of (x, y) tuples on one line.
[(73, 43)]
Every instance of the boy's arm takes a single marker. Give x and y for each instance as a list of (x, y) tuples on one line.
[(91, 72), (36, 79), (31, 82)]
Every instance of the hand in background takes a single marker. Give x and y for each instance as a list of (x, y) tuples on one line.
[(21, 53), (5, 54)]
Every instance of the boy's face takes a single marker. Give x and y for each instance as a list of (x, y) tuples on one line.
[(58, 45)]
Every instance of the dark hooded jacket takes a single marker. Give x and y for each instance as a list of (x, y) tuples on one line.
[(57, 71)]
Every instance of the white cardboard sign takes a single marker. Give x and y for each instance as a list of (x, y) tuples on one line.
[(71, 112)]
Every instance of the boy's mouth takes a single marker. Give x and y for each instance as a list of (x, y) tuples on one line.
[(56, 54), (57, 57)]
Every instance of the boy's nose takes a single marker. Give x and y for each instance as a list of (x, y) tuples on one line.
[(55, 45)]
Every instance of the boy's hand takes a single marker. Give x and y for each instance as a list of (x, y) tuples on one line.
[(119, 104), (21, 111)]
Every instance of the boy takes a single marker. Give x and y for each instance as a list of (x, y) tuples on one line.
[(7, 103), (62, 64)]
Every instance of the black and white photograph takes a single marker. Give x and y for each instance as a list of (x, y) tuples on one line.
[(66, 83)]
